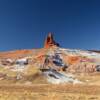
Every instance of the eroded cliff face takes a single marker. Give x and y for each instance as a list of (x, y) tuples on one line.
[(49, 41)]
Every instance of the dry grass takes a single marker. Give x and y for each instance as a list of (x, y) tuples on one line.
[(45, 96), (90, 79), (31, 70), (49, 92)]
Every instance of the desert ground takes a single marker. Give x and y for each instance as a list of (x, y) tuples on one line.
[(90, 90), (49, 92)]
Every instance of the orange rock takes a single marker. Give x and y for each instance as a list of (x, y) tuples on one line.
[(15, 54), (73, 59), (49, 41)]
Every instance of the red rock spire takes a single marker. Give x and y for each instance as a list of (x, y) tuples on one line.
[(49, 41)]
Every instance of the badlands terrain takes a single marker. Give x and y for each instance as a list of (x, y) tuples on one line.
[(50, 73)]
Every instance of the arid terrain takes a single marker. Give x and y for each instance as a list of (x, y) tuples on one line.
[(50, 92), (50, 73)]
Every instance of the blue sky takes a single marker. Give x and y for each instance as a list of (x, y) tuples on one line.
[(25, 23)]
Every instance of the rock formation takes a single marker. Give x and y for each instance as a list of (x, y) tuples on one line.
[(71, 60), (49, 41)]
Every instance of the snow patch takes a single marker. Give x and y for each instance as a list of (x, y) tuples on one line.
[(55, 77)]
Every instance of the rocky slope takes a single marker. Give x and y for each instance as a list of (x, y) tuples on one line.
[(52, 60)]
